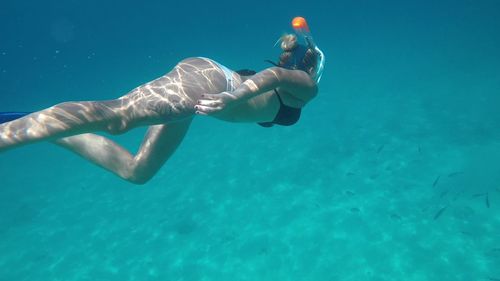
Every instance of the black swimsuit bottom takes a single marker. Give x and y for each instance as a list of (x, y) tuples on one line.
[(286, 115)]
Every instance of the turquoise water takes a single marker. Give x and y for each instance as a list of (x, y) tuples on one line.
[(392, 173)]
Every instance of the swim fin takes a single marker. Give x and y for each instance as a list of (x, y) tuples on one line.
[(9, 116)]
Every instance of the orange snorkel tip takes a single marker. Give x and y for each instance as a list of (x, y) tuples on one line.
[(300, 23), (301, 28)]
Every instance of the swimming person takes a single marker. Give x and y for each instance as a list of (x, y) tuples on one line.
[(195, 86)]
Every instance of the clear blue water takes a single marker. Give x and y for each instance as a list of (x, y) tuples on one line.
[(406, 124)]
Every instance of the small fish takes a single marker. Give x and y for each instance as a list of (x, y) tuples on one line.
[(440, 212), (493, 279), (355, 210), (380, 148), (497, 189), (487, 201), (450, 175), (395, 216), (436, 181), (443, 194), (349, 193), (494, 251), (419, 149), (478, 194)]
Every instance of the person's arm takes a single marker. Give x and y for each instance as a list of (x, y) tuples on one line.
[(296, 82)]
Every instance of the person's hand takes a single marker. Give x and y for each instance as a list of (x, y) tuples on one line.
[(210, 104)]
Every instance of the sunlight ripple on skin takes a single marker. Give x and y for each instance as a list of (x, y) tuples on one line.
[(168, 97), (167, 105)]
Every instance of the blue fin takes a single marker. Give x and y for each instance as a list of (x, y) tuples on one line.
[(9, 116)]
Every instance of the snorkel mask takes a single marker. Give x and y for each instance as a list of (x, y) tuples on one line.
[(304, 43)]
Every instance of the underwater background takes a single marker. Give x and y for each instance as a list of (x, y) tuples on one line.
[(392, 173)]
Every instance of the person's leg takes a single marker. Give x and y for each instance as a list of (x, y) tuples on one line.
[(65, 119), (159, 143), (74, 118), (169, 98)]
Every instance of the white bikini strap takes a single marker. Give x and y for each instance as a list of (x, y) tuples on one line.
[(229, 78)]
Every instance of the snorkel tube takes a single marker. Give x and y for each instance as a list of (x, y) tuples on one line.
[(303, 32)]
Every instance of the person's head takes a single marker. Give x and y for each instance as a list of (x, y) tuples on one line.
[(297, 56), (300, 52)]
